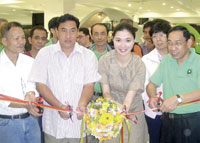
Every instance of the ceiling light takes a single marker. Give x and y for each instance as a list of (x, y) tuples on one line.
[(129, 5), (140, 7), (10, 1), (100, 14), (177, 9), (163, 3), (171, 7)]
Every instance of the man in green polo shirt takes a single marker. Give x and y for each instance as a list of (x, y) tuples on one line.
[(99, 34), (180, 74)]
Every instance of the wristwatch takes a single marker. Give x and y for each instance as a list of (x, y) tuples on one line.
[(179, 99)]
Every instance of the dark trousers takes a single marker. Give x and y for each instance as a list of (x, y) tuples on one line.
[(154, 128), (40, 124), (180, 128)]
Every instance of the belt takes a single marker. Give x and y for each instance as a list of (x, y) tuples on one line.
[(178, 116), (20, 116), (98, 94)]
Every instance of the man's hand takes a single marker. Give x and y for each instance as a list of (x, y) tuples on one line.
[(81, 110), (169, 104), (32, 109), (153, 101), (64, 115)]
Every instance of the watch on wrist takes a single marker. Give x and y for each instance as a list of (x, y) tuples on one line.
[(179, 99)]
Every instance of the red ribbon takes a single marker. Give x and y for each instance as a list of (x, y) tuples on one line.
[(19, 101)]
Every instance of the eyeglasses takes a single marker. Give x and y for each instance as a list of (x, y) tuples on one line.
[(160, 35), (80, 36), (176, 43)]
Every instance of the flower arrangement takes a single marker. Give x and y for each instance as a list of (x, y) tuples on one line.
[(103, 120)]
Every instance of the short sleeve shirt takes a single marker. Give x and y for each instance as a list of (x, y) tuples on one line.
[(179, 79), (65, 77)]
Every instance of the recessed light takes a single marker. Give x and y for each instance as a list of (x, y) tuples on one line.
[(177, 9), (171, 7), (163, 3), (129, 5), (140, 7)]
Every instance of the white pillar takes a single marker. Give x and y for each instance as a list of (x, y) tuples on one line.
[(57, 8)]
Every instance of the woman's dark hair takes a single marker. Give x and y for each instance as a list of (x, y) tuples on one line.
[(125, 26)]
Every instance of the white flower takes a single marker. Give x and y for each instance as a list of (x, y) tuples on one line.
[(92, 113), (99, 129), (109, 128), (112, 111)]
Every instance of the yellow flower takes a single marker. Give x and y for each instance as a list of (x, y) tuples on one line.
[(105, 105), (118, 118), (106, 118), (103, 119), (100, 99), (114, 106), (92, 126), (103, 111)]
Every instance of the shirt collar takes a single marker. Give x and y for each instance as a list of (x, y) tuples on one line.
[(154, 55), (5, 59), (77, 48), (108, 48)]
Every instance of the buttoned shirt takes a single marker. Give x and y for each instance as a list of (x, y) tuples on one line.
[(13, 81), (65, 77), (151, 61), (179, 79)]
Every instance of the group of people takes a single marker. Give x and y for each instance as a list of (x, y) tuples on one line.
[(68, 75)]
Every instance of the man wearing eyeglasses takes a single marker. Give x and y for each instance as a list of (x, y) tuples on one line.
[(179, 73), (16, 123), (83, 37)]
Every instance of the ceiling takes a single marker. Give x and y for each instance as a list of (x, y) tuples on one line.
[(176, 11)]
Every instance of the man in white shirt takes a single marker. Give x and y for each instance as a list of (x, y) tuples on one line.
[(65, 74), (152, 60), (16, 124)]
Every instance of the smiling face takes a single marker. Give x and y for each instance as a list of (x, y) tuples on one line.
[(67, 33), (178, 46), (123, 42), (14, 41)]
